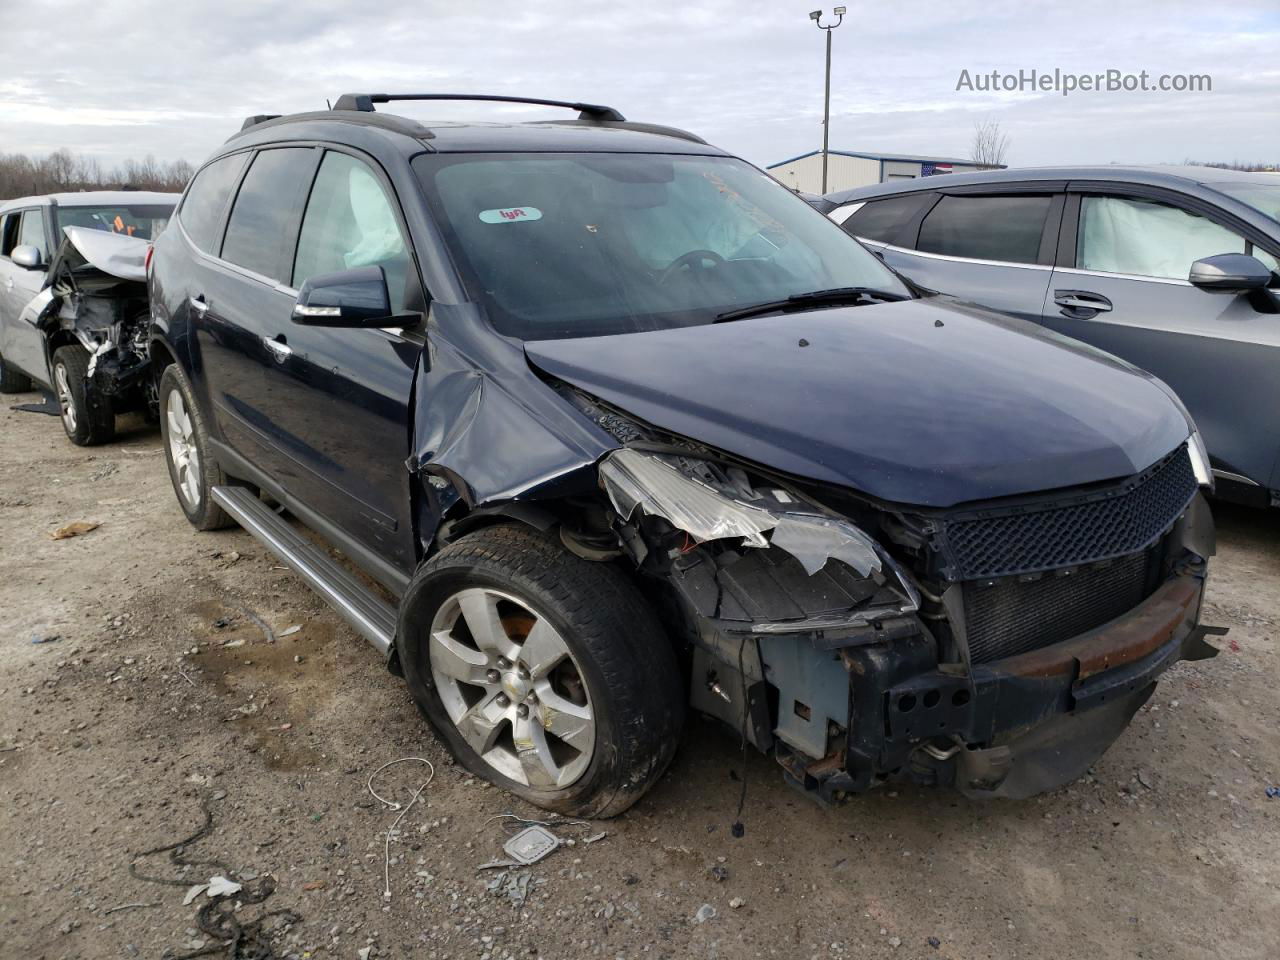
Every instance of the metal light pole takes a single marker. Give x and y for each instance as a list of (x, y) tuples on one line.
[(816, 17)]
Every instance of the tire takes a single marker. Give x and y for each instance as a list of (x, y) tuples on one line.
[(12, 381), (617, 669), (192, 468), (87, 420)]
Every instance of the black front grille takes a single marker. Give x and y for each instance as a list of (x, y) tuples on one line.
[(1018, 614), (1115, 523)]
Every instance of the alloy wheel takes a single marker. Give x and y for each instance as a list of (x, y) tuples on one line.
[(512, 688), (182, 449), (63, 384)]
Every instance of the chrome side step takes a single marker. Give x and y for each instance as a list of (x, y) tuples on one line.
[(371, 617)]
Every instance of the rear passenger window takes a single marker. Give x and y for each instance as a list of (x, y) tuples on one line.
[(986, 228), (201, 212), (889, 220), (350, 223), (31, 232), (264, 221)]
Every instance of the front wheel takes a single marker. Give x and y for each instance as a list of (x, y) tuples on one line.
[(547, 674), (188, 453), (87, 419)]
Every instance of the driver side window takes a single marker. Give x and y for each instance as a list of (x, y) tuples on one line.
[(350, 222), (1145, 238)]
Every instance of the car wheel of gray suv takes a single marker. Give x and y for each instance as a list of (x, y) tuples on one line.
[(192, 468), (545, 673), (11, 381), (87, 422)]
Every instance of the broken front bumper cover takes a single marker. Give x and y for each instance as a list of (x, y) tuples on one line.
[(1043, 716)]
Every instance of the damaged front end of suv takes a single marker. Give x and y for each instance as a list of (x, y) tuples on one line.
[(96, 299), (992, 653), (998, 647)]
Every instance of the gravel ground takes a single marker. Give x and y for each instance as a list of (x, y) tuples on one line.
[(161, 690)]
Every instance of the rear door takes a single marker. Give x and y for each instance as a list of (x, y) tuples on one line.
[(1121, 284), (992, 248), (23, 344), (243, 333)]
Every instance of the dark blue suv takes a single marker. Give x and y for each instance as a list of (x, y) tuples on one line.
[(619, 425)]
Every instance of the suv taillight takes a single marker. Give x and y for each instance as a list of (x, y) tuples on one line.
[(146, 264)]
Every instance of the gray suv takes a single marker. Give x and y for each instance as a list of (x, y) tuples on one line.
[(73, 302), (1173, 269)]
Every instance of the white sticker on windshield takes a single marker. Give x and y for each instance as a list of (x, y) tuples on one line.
[(510, 214)]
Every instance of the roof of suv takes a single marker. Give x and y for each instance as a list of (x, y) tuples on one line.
[(1157, 176), (94, 198), (569, 135)]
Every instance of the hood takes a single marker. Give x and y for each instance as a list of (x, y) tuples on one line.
[(924, 402), (112, 253)]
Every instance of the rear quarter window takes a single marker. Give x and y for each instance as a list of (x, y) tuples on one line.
[(890, 220), (202, 208)]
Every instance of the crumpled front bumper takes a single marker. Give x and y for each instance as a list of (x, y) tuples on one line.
[(1041, 718), (1013, 727)]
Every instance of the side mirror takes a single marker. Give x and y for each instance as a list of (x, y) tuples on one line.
[(348, 298), (27, 257), (1229, 273)]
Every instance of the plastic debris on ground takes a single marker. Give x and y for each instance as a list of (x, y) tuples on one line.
[(531, 844), (1273, 793), (705, 912)]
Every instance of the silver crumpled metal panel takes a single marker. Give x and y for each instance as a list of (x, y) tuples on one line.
[(113, 253)]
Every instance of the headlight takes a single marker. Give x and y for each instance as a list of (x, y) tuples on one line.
[(1200, 460), (666, 486)]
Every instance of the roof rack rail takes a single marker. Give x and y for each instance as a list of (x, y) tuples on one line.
[(258, 118), (365, 102)]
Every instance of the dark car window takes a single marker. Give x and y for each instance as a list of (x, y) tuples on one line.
[(986, 228), (1145, 238), (887, 220), (268, 210), (9, 233), (141, 220), (201, 211), (585, 244), (32, 232), (350, 222)]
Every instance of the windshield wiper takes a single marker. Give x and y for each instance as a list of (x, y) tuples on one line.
[(838, 296)]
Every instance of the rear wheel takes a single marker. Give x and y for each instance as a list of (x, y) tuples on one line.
[(12, 381), (545, 673), (87, 419), (192, 468)]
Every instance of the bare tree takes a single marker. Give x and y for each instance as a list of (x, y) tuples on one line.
[(62, 171), (990, 144)]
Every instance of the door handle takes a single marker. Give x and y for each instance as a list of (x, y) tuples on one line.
[(199, 306), (279, 349), (1081, 304)]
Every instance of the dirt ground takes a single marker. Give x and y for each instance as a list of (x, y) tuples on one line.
[(161, 689)]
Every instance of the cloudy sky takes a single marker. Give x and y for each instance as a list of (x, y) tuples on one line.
[(115, 79)]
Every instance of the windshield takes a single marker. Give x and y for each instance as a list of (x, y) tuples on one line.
[(144, 221), (572, 245), (1263, 197)]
